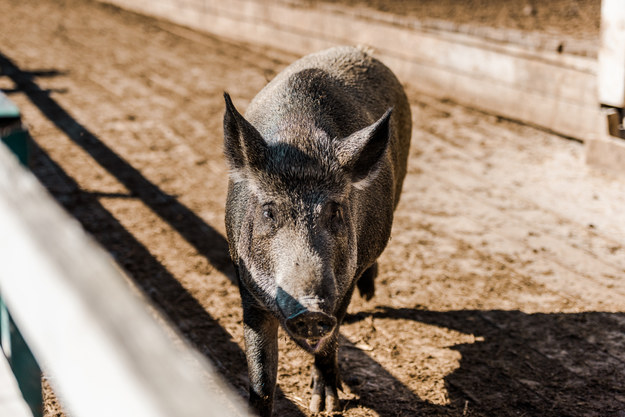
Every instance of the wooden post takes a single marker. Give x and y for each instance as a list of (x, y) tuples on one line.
[(612, 54), (607, 150)]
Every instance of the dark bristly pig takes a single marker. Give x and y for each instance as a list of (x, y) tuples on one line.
[(316, 170)]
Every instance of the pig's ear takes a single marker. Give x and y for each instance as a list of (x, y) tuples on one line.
[(360, 152), (243, 145)]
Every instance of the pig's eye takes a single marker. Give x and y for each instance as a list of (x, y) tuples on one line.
[(267, 218), (336, 217), (268, 213)]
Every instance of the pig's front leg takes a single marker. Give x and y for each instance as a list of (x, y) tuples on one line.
[(260, 330), (325, 379)]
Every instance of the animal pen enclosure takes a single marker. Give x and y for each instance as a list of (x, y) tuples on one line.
[(501, 291)]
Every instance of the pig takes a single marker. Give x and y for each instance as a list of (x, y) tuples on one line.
[(316, 168)]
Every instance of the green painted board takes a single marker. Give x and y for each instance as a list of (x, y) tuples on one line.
[(7, 108), (23, 363), (12, 132), (17, 141)]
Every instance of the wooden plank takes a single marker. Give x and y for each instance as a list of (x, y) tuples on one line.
[(563, 117), (534, 41), (75, 309)]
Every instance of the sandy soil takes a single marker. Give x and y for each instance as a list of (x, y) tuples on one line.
[(501, 292)]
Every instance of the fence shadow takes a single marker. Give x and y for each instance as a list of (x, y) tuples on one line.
[(207, 241)]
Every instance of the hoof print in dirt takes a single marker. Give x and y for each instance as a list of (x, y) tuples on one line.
[(316, 170)]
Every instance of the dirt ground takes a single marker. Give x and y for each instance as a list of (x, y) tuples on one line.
[(500, 294)]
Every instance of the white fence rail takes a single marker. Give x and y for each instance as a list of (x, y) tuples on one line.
[(107, 355)]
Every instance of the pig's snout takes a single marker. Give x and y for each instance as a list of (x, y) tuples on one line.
[(311, 325), (306, 319)]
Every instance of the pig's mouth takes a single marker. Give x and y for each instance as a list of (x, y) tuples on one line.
[(313, 344)]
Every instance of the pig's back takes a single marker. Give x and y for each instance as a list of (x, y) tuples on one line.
[(341, 89)]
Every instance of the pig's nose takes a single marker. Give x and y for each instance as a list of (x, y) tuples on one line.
[(311, 324)]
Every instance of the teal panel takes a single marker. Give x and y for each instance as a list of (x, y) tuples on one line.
[(23, 363), (7, 108), (17, 141), (12, 132)]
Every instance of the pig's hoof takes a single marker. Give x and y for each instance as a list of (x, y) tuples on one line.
[(324, 395), (331, 403), (366, 283), (315, 403)]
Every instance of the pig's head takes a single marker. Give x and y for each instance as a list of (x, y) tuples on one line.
[(297, 243)]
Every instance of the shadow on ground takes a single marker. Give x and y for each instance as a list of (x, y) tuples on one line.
[(543, 364)]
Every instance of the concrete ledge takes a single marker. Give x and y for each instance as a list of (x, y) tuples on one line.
[(542, 87), (606, 153), (606, 150)]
